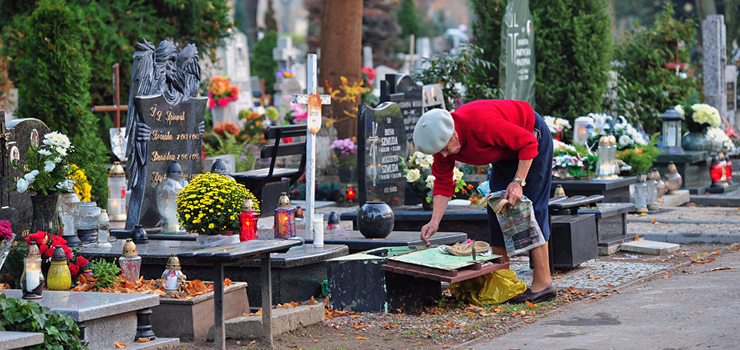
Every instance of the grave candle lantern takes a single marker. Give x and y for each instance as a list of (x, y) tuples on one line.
[(652, 192), (284, 218), (717, 173), (68, 208), (604, 168), (614, 168), (32, 280), (167, 191), (662, 189), (728, 170), (672, 178), (248, 221), (672, 131), (350, 193), (580, 130), (60, 278), (130, 262), (640, 194), (172, 277), (117, 193)]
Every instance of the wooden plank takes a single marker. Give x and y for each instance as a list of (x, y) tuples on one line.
[(404, 265), (463, 275)]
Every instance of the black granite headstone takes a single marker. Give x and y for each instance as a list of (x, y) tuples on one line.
[(411, 104), (16, 139), (176, 137), (381, 139)]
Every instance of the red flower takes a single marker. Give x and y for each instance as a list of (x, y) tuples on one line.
[(212, 103), (222, 102), (74, 269), (369, 71), (68, 252), (81, 261), (57, 239), (39, 237), (45, 249)]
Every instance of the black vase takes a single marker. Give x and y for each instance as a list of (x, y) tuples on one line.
[(44, 208), (375, 220)]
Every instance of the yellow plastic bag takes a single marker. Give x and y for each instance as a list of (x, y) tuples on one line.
[(493, 288)]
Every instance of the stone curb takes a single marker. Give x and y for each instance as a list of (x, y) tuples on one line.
[(689, 238), (283, 320), (156, 344)]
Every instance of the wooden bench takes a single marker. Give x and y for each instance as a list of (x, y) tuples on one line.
[(267, 183)]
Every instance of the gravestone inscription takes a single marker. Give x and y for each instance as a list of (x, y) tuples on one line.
[(175, 137), (16, 137), (411, 104), (517, 60), (381, 140)]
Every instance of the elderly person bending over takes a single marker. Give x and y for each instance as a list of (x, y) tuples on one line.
[(515, 140)]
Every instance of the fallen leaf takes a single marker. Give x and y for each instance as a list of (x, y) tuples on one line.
[(527, 321), (258, 313), (142, 340), (292, 346), (531, 306), (315, 340), (486, 314), (589, 301), (470, 313), (474, 308), (557, 277), (119, 345), (720, 268), (665, 276), (312, 301), (715, 253), (498, 309), (360, 326), (518, 313), (653, 220), (593, 277)]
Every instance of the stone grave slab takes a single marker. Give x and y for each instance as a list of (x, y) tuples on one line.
[(649, 247), (296, 275), (411, 104), (18, 134), (20, 340), (106, 317), (175, 136), (611, 224), (693, 166), (190, 319), (613, 190), (381, 141)]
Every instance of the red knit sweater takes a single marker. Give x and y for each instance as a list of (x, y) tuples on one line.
[(489, 131)]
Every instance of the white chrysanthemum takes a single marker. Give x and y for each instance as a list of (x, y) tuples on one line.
[(22, 185), (680, 110), (30, 177), (430, 181), (45, 152), (57, 140), (457, 174), (413, 175)]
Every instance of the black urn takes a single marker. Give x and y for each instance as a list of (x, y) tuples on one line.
[(375, 220)]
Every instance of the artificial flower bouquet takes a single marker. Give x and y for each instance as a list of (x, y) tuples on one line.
[(418, 171), (211, 204), (48, 166), (557, 126), (221, 92), (47, 243), (345, 153), (720, 140), (626, 134), (6, 240), (699, 117)]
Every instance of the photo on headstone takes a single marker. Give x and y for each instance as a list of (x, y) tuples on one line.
[(381, 138)]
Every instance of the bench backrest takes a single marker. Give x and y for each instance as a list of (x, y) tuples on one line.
[(277, 149)]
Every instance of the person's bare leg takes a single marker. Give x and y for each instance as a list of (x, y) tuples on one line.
[(541, 275), (500, 251)]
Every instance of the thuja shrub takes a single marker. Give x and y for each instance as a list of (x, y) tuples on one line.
[(573, 48), (649, 80), (55, 83)]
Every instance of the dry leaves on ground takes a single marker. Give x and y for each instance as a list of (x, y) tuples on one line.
[(119, 345), (720, 268), (192, 289), (593, 277)]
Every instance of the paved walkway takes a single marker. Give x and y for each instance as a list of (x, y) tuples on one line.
[(693, 308)]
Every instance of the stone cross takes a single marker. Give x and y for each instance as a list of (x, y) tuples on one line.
[(314, 102), (410, 58), (284, 53), (715, 60)]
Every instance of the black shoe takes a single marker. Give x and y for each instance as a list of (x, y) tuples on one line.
[(549, 293)]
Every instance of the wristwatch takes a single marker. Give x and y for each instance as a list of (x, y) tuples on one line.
[(520, 181)]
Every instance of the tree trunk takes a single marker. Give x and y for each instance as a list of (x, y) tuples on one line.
[(341, 56)]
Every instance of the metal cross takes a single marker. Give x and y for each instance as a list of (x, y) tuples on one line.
[(311, 89), (116, 107)]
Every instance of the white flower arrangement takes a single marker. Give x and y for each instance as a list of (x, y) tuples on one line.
[(720, 140), (419, 178), (50, 171), (567, 161), (556, 125)]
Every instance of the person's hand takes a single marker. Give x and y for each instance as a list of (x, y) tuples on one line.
[(513, 193), (428, 230)]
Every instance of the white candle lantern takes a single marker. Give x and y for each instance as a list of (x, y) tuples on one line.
[(672, 131), (117, 193), (32, 280)]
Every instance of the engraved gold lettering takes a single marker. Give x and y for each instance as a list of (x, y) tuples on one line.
[(174, 117), (157, 136), (156, 157)]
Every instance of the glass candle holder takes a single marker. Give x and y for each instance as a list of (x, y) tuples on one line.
[(172, 277), (32, 280), (87, 222), (640, 194), (284, 223), (117, 192), (130, 262), (59, 276), (248, 229)]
